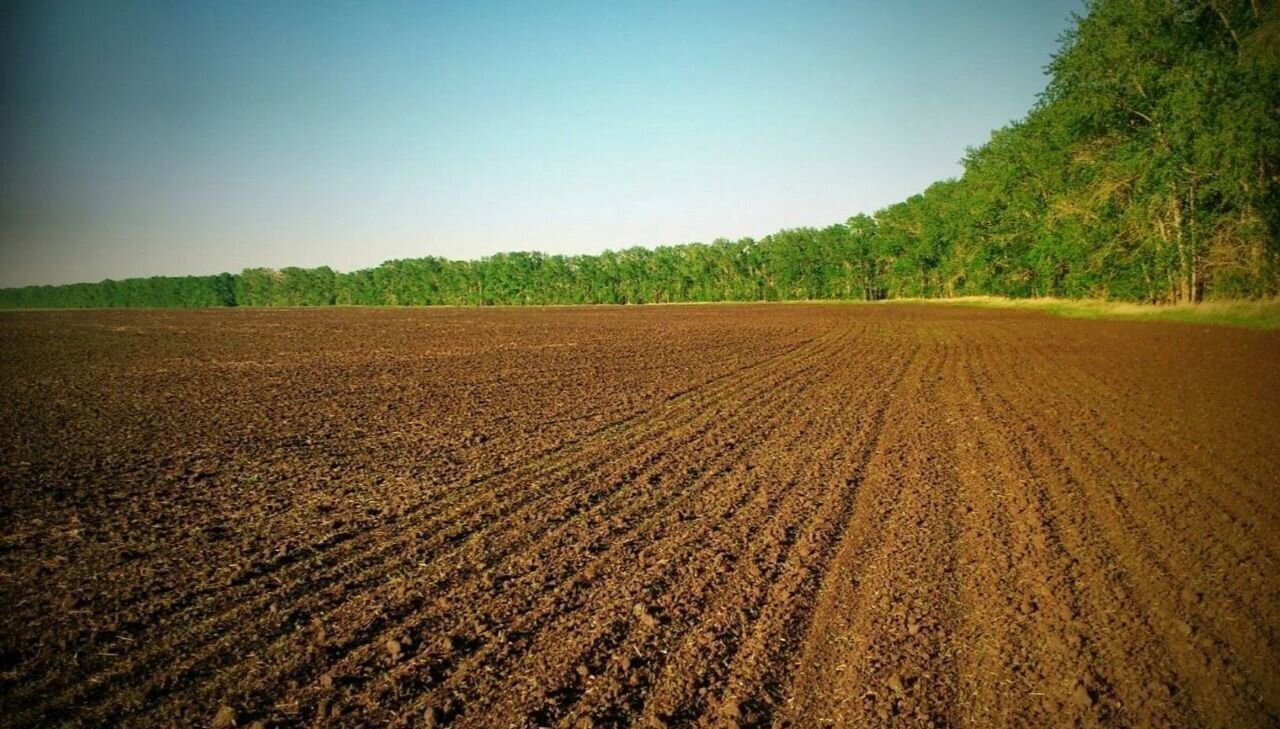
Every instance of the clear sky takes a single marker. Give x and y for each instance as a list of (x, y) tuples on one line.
[(144, 138)]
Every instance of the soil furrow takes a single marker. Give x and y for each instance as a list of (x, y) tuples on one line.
[(661, 431), (1188, 611), (714, 628), (1068, 669), (1104, 549), (374, 604), (689, 528)]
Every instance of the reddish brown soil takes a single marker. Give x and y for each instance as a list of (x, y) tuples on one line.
[(731, 516)]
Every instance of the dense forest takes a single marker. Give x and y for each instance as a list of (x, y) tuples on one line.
[(1147, 171)]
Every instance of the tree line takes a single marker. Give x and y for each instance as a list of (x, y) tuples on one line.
[(1147, 171)]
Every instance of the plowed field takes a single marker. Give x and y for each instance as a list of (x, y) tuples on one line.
[(668, 516)]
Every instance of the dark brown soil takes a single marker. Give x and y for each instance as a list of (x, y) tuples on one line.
[(667, 516)]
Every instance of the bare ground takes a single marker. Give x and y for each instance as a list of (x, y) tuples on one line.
[(668, 516)]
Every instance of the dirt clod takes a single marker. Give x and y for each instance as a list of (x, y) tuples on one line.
[(1082, 696), (225, 718)]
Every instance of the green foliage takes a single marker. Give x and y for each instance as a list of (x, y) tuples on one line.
[(157, 291), (1147, 172)]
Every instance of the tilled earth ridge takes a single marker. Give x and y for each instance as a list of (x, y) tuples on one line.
[(801, 515)]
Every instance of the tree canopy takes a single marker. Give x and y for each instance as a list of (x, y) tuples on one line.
[(1147, 171)]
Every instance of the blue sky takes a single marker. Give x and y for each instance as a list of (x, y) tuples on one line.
[(170, 138)]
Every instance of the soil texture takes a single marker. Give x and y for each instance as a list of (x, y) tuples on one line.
[(729, 516)]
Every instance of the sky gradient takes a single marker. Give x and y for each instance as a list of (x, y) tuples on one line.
[(172, 138)]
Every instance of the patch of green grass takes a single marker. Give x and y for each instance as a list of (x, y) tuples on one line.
[(1252, 314)]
